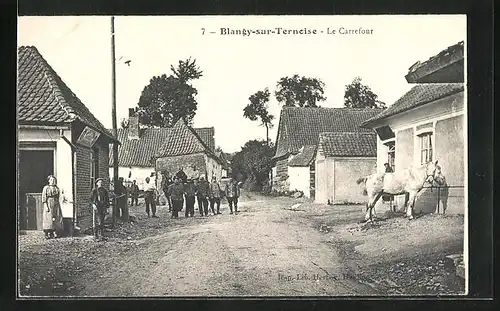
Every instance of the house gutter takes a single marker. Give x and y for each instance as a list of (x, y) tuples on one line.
[(73, 189)]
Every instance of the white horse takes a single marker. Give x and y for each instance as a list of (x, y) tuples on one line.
[(409, 181)]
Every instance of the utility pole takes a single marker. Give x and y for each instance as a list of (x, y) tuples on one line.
[(113, 113)]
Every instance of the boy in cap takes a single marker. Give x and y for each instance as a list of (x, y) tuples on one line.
[(99, 199)]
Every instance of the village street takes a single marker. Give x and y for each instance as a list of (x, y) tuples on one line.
[(273, 247)]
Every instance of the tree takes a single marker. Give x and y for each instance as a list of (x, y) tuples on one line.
[(258, 109), (358, 95), (166, 99), (187, 70), (253, 163), (300, 91)]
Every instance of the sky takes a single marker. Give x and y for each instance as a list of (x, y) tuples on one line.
[(235, 66)]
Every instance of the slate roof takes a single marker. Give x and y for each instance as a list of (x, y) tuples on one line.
[(139, 152), (182, 140), (44, 98), (301, 126), (348, 144), (419, 95), (305, 157)]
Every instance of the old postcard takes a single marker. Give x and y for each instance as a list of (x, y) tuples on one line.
[(242, 156)]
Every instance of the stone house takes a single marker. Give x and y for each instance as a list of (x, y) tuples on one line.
[(428, 123), (57, 134), (297, 142), (184, 148), (136, 155)]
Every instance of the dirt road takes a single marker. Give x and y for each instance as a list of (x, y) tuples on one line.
[(271, 248), (257, 252)]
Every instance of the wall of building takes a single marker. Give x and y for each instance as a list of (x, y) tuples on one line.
[(282, 169), (299, 177), (281, 180), (193, 165), (83, 184), (214, 168), (62, 158), (325, 179), (449, 145), (347, 171)]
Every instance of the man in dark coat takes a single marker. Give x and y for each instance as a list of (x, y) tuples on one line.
[(180, 174), (134, 194), (202, 193), (190, 191), (99, 199), (121, 198), (198, 198), (232, 193), (176, 193)]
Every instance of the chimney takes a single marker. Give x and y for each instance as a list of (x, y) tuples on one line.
[(133, 124)]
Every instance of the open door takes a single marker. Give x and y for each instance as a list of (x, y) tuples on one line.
[(34, 167)]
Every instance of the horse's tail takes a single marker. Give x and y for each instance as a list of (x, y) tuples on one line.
[(363, 180)]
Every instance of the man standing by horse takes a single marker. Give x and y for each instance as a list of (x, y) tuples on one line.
[(408, 181)]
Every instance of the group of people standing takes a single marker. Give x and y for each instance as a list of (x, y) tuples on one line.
[(182, 191)]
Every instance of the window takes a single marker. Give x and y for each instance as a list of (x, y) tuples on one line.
[(391, 154), (425, 147), (94, 166)]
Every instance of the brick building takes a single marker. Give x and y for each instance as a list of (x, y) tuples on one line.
[(58, 135)]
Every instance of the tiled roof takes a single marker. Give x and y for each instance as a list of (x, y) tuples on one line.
[(182, 140), (305, 157), (43, 98), (348, 144), (444, 54), (207, 135), (139, 152), (301, 126), (419, 95)]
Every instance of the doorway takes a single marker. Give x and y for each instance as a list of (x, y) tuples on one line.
[(34, 167)]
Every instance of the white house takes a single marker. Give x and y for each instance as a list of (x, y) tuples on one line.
[(428, 123), (340, 160), (57, 135)]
